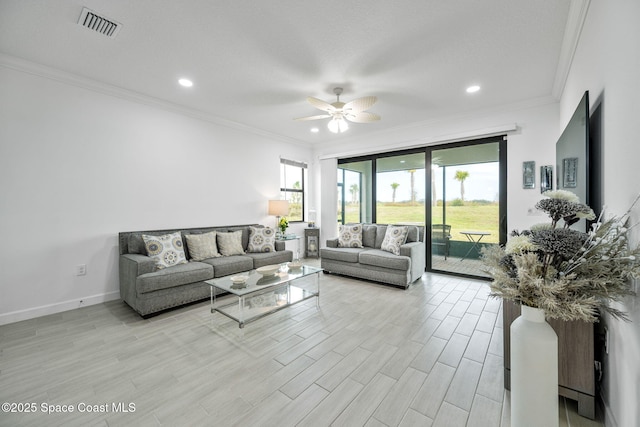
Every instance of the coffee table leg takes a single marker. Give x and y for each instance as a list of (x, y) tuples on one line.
[(212, 300), (318, 290), (241, 311)]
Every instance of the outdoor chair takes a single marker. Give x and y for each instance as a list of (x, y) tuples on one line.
[(441, 236)]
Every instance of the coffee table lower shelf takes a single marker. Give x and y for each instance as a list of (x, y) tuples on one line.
[(257, 301), (245, 311)]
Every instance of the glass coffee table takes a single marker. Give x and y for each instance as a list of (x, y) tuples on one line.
[(261, 295)]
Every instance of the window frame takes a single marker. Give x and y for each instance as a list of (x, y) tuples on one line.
[(284, 191)]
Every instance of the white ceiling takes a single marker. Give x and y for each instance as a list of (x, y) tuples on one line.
[(255, 62)]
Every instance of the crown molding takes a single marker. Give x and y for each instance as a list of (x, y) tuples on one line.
[(575, 22), (25, 66)]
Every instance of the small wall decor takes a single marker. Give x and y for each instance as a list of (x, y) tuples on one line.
[(570, 172), (528, 174), (546, 178)]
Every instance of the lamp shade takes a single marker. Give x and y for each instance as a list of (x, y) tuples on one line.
[(279, 207)]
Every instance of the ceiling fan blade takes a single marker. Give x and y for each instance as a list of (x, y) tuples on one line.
[(321, 116), (363, 117), (320, 104), (360, 104)]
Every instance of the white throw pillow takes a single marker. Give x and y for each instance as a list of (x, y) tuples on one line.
[(395, 237), (350, 236), (261, 239), (230, 243), (202, 246), (166, 250)]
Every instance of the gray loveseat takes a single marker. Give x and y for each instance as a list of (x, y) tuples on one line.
[(149, 290), (372, 263)]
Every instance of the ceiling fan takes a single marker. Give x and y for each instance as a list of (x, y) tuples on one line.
[(340, 112)]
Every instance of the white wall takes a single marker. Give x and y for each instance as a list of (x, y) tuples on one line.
[(607, 63), (534, 139), (78, 166)]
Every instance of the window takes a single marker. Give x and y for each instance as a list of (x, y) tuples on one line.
[(293, 176)]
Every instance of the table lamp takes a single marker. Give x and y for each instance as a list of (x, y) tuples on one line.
[(278, 208)]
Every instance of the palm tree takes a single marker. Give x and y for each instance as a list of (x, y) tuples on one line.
[(395, 186), (413, 184), (354, 193), (461, 176)]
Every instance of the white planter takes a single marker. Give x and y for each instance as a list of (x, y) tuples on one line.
[(534, 371)]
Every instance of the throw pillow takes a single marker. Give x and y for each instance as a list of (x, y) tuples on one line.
[(202, 246), (261, 239), (350, 236), (230, 243), (166, 250), (395, 237)]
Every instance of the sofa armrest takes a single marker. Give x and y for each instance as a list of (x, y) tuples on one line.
[(280, 245), (415, 251), (332, 243), (132, 266), (137, 264)]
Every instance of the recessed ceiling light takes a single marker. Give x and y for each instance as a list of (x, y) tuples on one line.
[(473, 89), (315, 130), (185, 82)]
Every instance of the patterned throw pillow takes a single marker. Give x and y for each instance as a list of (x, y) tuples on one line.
[(166, 250), (202, 246), (230, 243), (395, 237), (350, 236), (261, 239)]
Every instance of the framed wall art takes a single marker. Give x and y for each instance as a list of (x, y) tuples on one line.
[(546, 178), (570, 172), (528, 174)]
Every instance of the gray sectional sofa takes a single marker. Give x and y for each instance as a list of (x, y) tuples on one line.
[(372, 263), (149, 290)]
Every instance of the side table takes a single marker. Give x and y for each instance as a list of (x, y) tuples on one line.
[(312, 239)]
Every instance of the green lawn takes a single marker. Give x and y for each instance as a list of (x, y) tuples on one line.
[(461, 218)]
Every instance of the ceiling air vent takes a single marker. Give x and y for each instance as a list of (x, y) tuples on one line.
[(93, 21)]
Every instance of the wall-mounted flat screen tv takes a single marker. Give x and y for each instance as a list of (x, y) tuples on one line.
[(572, 153)]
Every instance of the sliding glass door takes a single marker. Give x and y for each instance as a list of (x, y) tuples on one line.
[(465, 210), (400, 189), (460, 199)]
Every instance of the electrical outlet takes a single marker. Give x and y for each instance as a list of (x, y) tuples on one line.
[(81, 269)]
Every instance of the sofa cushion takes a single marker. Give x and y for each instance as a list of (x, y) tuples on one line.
[(394, 237), (380, 233), (227, 265), (350, 236), (230, 243), (170, 277), (341, 254), (166, 250), (414, 234), (384, 259), (369, 235), (269, 258), (261, 239), (202, 246)]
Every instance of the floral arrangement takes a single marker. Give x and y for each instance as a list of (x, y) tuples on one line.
[(571, 275), (283, 224)]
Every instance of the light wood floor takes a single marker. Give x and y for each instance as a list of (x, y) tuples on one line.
[(371, 355)]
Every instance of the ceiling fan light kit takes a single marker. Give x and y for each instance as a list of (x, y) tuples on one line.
[(340, 112)]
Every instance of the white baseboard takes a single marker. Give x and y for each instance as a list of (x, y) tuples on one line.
[(31, 313)]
